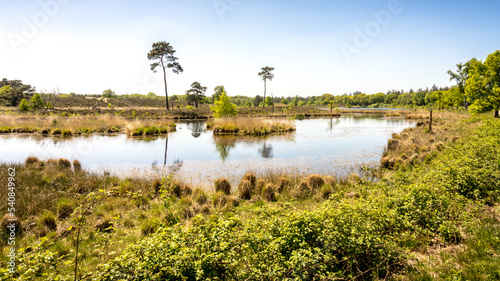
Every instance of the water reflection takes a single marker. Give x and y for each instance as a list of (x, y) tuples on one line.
[(318, 145), (223, 145), (249, 146), (196, 128), (332, 123), (266, 151)]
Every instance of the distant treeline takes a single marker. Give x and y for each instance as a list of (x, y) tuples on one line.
[(478, 85)]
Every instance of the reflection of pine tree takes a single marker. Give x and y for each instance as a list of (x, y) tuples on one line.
[(196, 128), (266, 151), (332, 123)]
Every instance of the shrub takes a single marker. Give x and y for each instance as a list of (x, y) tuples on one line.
[(105, 225), (298, 117), (149, 227), (245, 189), (24, 105), (66, 133), (250, 176), (315, 181), (199, 196), (156, 186), (303, 187), (48, 219), (223, 108), (36, 101), (189, 107), (222, 185), (56, 131), (63, 163), (392, 144), (64, 208), (326, 190), (269, 193), (77, 166), (259, 185), (220, 199), (31, 160), (282, 184)]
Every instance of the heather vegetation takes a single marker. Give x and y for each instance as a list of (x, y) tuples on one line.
[(433, 214)]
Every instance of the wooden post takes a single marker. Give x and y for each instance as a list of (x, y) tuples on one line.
[(430, 121)]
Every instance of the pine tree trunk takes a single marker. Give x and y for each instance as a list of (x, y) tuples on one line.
[(496, 113), (165, 80), (264, 103)]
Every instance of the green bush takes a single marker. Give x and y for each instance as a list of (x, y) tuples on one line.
[(64, 208), (48, 219), (275, 245), (24, 105)]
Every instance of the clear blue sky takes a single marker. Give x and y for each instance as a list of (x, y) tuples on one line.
[(317, 47)]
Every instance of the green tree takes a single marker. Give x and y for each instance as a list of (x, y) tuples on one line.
[(217, 92), (12, 95), (266, 74), (151, 95), (223, 108), (24, 105), (196, 93), (108, 93), (461, 76), (483, 84), (36, 102), (163, 54), (269, 101), (257, 100), (492, 82)]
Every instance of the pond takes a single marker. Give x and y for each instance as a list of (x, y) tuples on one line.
[(327, 146)]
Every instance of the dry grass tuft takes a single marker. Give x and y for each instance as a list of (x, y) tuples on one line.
[(315, 181), (31, 160), (63, 163), (77, 166), (222, 185), (269, 192), (245, 189)]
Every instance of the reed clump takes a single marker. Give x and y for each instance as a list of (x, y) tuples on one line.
[(222, 185)]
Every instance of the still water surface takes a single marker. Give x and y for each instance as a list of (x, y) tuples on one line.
[(325, 146)]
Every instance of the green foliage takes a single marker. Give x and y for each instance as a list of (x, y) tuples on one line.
[(164, 56), (223, 108), (275, 245), (24, 105), (36, 101), (108, 94), (196, 94), (473, 168), (13, 91), (269, 101)]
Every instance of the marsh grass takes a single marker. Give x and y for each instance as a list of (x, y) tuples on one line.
[(87, 124), (251, 126), (417, 145)]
